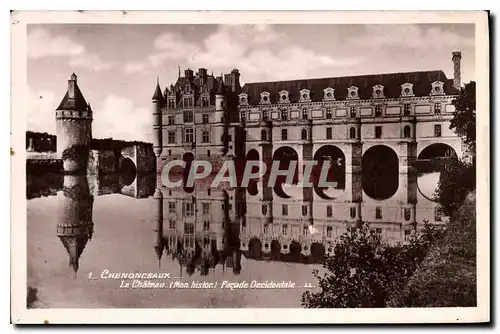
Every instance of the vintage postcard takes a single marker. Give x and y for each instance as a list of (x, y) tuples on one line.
[(250, 167)]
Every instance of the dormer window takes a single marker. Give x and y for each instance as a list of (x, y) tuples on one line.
[(304, 95), (407, 89), (352, 93), (437, 88), (265, 98), (378, 92), (329, 94), (243, 98), (205, 101), (283, 97)]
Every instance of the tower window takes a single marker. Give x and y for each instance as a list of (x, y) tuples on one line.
[(263, 135), (378, 212), (328, 113), (328, 133), (407, 131), (205, 137), (284, 209), (329, 211), (353, 112), (378, 110), (378, 131), (284, 115), (352, 133), (171, 137), (171, 207), (188, 116), (204, 118), (437, 130), (189, 135), (304, 134), (407, 109), (304, 210), (284, 134), (353, 212), (437, 108)]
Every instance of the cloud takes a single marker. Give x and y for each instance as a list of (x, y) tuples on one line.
[(258, 51), (411, 36), (119, 118), (41, 115), (41, 44)]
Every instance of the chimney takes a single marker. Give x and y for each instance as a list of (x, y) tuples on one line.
[(188, 74), (72, 86), (457, 56), (235, 80), (202, 74)]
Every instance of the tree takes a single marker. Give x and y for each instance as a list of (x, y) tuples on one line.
[(365, 272), (464, 117)]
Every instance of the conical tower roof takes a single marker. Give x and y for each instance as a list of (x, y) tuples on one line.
[(73, 99), (158, 96)]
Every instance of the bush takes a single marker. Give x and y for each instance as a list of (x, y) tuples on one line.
[(363, 271)]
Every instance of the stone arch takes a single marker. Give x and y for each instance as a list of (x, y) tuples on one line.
[(430, 163), (285, 155), (380, 172), (128, 171), (336, 172)]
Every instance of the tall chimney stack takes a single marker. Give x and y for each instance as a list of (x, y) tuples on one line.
[(457, 56)]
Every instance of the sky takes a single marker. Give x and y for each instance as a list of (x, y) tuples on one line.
[(118, 65)]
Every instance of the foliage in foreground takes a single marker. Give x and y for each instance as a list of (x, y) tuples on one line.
[(363, 271)]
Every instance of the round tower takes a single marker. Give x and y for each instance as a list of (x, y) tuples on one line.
[(158, 102), (219, 126), (75, 226), (74, 129)]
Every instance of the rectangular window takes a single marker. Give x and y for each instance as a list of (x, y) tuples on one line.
[(206, 208), (284, 210), (407, 214), (407, 235), (328, 113), (407, 109), (208, 153), (437, 108), (206, 225), (188, 208), (378, 110), (437, 130), (171, 120), (329, 211), (328, 133), (188, 228), (329, 231), (305, 230), (171, 137), (205, 136), (284, 115), (243, 116), (437, 214), (284, 134), (188, 116), (205, 101), (378, 213), (284, 229), (304, 210), (353, 112), (265, 115), (353, 212), (189, 136), (171, 207), (171, 224), (171, 103), (378, 131), (378, 231), (204, 118), (266, 228), (305, 114)]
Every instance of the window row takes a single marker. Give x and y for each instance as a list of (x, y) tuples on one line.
[(187, 102)]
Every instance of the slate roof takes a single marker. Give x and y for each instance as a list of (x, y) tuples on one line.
[(76, 103), (391, 81), (158, 96)]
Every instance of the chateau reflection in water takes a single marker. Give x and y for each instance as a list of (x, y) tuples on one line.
[(204, 227)]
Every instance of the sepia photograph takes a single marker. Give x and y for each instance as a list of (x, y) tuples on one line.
[(273, 164)]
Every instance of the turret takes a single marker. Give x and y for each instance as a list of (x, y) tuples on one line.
[(158, 102), (220, 101), (73, 129), (457, 56)]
